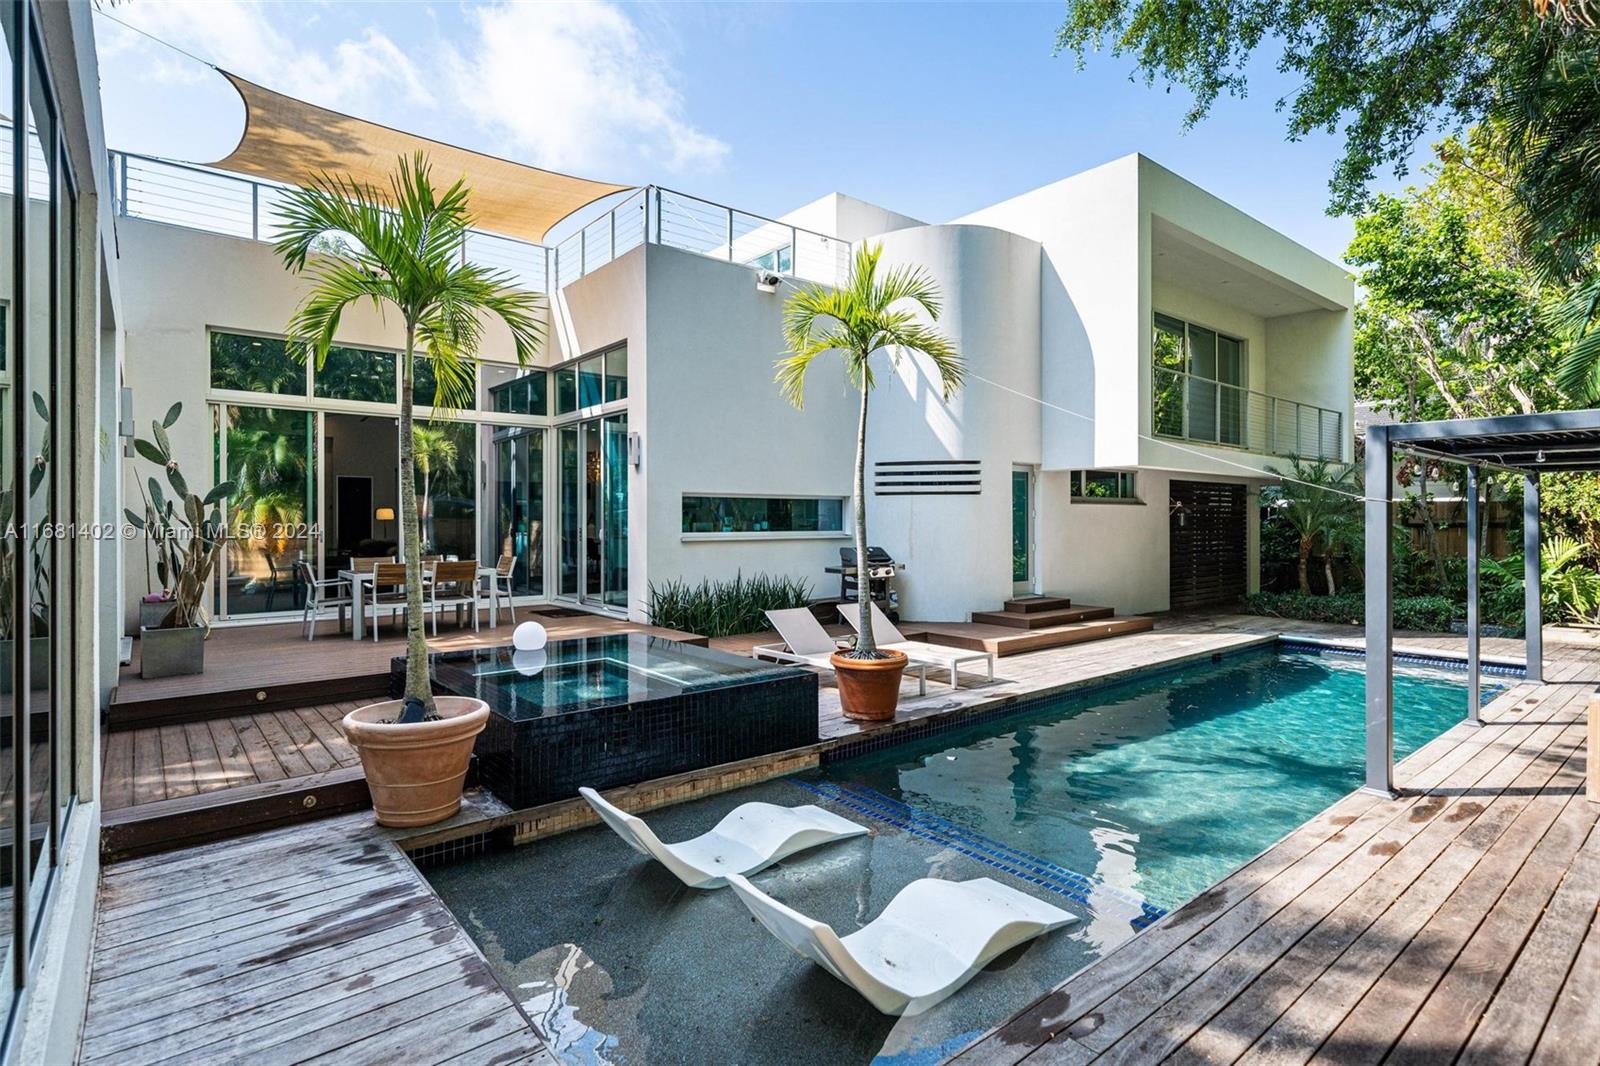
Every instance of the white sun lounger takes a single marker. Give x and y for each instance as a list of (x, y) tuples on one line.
[(930, 940), (807, 643), (940, 655), (750, 837)]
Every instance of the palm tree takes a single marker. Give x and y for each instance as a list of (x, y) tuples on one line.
[(1318, 499), (433, 447), (402, 248), (858, 320)]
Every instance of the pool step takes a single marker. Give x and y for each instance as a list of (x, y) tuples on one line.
[(1041, 619)]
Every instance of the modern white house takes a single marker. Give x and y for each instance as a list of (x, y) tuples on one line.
[(1139, 353)]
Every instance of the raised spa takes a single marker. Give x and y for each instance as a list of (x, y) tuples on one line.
[(620, 709)]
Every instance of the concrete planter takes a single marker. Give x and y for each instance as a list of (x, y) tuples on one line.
[(415, 771), (38, 664), (869, 689), (152, 613), (172, 652)]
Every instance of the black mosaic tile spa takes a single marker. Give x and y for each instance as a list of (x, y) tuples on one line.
[(618, 710)]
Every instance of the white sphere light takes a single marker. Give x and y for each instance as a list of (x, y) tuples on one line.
[(528, 663), (529, 636)]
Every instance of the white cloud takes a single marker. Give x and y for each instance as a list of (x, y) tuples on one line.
[(358, 74), (576, 86)]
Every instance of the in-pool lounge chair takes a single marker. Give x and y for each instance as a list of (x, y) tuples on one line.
[(930, 940), (805, 642), (750, 837), (887, 636)]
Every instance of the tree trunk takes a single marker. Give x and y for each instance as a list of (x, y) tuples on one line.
[(1304, 566), (1430, 533), (417, 683), (866, 646), (1327, 572), (425, 519)]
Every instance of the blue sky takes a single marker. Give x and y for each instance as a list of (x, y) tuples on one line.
[(932, 109)]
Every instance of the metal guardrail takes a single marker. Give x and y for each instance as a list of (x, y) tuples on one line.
[(1186, 407), (215, 201)]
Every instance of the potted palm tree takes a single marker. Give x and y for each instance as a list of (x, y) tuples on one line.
[(402, 248), (865, 316)]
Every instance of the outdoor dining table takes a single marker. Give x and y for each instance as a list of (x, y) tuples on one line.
[(361, 579)]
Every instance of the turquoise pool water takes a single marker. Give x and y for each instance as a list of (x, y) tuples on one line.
[(1156, 788)]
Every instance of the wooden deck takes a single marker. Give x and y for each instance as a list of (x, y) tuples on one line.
[(1457, 923), (313, 944), (274, 665)]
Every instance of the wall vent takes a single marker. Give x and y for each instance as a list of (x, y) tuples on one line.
[(927, 477)]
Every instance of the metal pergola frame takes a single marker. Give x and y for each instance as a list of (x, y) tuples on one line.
[(1565, 441)]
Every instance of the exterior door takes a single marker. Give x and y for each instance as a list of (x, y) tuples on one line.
[(593, 462), (1207, 531), (1022, 554)]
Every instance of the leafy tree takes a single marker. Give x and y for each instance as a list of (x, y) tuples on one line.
[(865, 316), (1568, 589), (402, 248), (435, 448)]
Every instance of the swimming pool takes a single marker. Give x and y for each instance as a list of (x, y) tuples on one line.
[(1115, 803)]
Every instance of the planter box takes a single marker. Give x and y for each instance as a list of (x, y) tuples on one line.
[(151, 614), (38, 664), (172, 652)]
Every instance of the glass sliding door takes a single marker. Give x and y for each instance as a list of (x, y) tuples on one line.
[(593, 463), (614, 514), (269, 454), (360, 470), (514, 511), (447, 507), (571, 513)]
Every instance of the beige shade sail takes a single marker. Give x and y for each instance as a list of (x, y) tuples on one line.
[(291, 141)]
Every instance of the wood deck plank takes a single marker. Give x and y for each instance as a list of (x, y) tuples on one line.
[(305, 741), (116, 776), (209, 772)]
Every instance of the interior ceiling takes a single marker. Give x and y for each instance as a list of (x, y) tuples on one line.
[(1180, 258), (291, 141)]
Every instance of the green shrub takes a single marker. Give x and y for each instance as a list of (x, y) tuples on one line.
[(723, 608), (1431, 614)]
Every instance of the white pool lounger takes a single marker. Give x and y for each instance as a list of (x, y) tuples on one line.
[(930, 940), (750, 837)]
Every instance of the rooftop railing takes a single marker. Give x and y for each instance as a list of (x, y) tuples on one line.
[(181, 194), (1186, 407)]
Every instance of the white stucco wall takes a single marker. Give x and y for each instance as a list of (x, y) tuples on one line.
[(846, 217), (717, 424), (957, 549)]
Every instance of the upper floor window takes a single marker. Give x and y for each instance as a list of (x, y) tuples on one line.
[(255, 364), (515, 391), (1197, 383), (596, 380), (1103, 485), (1191, 349)]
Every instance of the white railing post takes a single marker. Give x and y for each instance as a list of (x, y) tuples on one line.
[(730, 234), (255, 211), (658, 217)]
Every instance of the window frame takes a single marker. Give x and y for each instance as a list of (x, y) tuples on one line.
[(1127, 486), (844, 532)]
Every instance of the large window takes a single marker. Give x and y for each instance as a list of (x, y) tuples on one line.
[(38, 455), (243, 363), (762, 514), (513, 390), (357, 374), (1198, 382)]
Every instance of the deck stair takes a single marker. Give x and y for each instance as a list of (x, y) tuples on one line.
[(1031, 623)]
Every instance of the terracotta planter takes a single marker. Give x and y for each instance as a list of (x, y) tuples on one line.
[(415, 771), (869, 689)]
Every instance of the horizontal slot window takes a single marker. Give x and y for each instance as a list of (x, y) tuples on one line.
[(759, 514), (1103, 485)]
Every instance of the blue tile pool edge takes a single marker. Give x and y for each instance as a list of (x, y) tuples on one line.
[(1005, 707)]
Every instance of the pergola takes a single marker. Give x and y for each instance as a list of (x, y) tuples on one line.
[(1527, 445)]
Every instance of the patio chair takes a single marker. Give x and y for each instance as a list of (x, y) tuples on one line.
[(329, 592), (500, 584), (931, 939), (388, 591), (281, 575), (750, 837), (453, 585), (367, 562), (806, 643), (889, 638)]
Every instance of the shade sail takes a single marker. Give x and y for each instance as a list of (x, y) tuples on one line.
[(291, 141)]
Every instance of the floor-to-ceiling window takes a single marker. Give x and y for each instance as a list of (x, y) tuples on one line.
[(315, 453), (1197, 386), (38, 560), (592, 466)]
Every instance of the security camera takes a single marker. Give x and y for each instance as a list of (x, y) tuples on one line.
[(767, 281)]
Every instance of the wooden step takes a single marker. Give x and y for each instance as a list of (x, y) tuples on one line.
[(1041, 619), (1004, 640), (1030, 604)]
